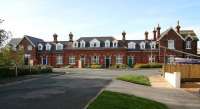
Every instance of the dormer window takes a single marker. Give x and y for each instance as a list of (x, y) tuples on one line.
[(115, 43), (188, 44), (107, 44), (82, 44), (40, 46), (153, 45), (75, 44), (142, 45), (48, 47), (94, 43), (59, 46), (131, 45)]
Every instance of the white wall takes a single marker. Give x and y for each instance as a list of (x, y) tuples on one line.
[(174, 78)]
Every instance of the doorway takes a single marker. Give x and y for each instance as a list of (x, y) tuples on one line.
[(130, 61), (107, 61)]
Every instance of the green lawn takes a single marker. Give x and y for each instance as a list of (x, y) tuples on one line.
[(114, 100), (137, 79)]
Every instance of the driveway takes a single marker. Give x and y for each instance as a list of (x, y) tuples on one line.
[(50, 92)]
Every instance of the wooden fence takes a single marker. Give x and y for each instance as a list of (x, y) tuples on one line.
[(189, 72)]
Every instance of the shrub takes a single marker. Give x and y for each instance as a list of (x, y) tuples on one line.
[(121, 66), (153, 65), (24, 70), (96, 66)]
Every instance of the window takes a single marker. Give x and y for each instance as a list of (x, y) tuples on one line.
[(40, 46), (59, 59), (152, 59), (107, 44), (171, 44), (95, 59), (119, 59), (44, 60), (94, 43), (115, 43), (29, 47), (188, 44), (153, 45), (170, 59), (82, 44), (72, 60), (75, 44), (59, 46), (48, 47), (142, 45), (131, 45)]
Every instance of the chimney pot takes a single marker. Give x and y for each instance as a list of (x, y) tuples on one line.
[(55, 38), (146, 35), (124, 36), (71, 37)]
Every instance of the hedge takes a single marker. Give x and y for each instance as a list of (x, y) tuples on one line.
[(153, 65), (96, 66), (23, 70)]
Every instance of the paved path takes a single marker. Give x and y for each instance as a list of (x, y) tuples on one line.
[(173, 98), (50, 92)]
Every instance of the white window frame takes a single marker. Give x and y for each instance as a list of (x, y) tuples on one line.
[(170, 44), (153, 45), (170, 59), (119, 59), (115, 44), (95, 43), (48, 47), (142, 45), (131, 45), (75, 44), (72, 60), (29, 48), (59, 46), (152, 59), (188, 44), (82, 44), (107, 44), (59, 59), (40, 46), (95, 59)]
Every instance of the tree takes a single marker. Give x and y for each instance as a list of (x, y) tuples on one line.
[(4, 35)]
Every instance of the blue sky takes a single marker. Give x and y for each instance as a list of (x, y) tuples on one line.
[(42, 18)]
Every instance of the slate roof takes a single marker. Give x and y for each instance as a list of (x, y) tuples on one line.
[(190, 33), (34, 40), (100, 38)]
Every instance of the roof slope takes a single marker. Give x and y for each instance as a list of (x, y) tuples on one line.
[(190, 33), (34, 40)]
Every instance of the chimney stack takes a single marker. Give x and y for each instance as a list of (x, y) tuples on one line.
[(55, 38), (146, 36), (71, 37), (154, 34), (178, 27), (158, 31), (124, 36)]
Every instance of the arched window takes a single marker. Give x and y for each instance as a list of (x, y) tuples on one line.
[(153, 45), (107, 44), (142, 45), (131, 45), (40, 46), (59, 46), (82, 44), (48, 47), (75, 44), (94, 43), (115, 43)]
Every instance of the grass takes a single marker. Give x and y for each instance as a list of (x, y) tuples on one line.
[(137, 79), (114, 100)]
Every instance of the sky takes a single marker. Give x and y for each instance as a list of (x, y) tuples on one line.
[(43, 18)]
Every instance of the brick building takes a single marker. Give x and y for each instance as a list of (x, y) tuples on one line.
[(108, 51)]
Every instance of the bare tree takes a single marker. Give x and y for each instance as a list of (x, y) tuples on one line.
[(4, 35)]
